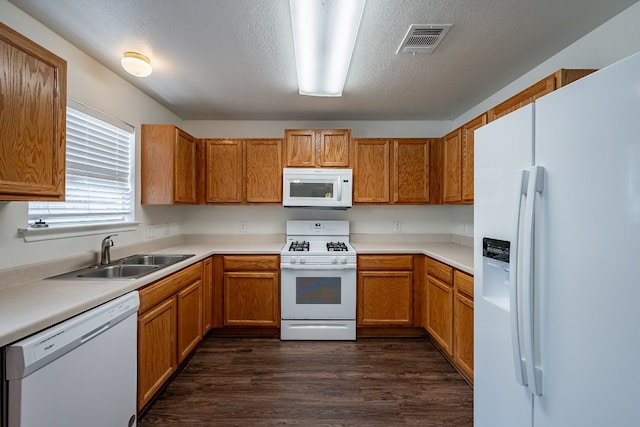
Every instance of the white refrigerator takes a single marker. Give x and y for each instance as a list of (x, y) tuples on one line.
[(557, 258)]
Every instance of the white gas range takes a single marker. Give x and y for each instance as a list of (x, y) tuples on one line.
[(318, 282)]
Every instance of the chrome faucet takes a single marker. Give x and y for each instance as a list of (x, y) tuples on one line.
[(105, 255)]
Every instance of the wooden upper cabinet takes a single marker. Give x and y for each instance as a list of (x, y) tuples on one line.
[(371, 173), (242, 171), (167, 166), (334, 148), (33, 102), (547, 85), (185, 168), (452, 148), (263, 170), (300, 148), (310, 148), (224, 170), (410, 175), (467, 160)]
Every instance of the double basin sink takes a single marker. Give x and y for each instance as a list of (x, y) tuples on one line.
[(131, 267)]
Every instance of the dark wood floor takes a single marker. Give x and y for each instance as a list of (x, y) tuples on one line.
[(267, 382)]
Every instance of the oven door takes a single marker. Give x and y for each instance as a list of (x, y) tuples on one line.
[(314, 292)]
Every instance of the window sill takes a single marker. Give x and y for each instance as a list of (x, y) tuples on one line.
[(52, 233)]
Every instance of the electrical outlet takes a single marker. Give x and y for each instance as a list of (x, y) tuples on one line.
[(468, 229), (150, 232), (166, 229), (396, 226), (243, 226)]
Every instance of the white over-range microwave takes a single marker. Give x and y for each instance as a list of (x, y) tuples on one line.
[(317, 188)]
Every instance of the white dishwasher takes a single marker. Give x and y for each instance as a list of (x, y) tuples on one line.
[(81, 372)]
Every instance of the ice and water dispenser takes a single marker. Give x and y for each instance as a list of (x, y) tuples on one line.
[(495, 271)]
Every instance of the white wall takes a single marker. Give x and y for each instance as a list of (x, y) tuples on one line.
[(90, 83), (364, 219), (614, 40), (275, 129)]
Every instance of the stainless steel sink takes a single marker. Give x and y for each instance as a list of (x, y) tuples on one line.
[(119, 271), (158, 259), (128, 268)]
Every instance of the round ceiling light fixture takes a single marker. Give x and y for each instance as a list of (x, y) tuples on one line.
[(136, 64)]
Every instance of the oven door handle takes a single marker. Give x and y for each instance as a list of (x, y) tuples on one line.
[(318, 267)]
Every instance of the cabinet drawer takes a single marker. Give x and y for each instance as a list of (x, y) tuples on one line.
[(251, 262), (385, 262), (463, 282), (165, 288), (439, 270)]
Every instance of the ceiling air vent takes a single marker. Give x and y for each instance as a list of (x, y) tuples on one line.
[(423, 38)]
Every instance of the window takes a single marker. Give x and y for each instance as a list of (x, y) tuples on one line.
[(99, 169)]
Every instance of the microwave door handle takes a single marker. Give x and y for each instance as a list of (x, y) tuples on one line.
[(339, 189)]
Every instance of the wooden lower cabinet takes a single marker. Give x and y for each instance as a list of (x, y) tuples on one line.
[(157, 356), (251, 299), (440, 313), (207, 295), (449, 313), (248, 287), (189, 319), (463, 323), (385, 290), (385, 298), (169, 328)]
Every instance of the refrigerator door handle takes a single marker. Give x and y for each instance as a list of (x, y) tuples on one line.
[(535, 187), (515, 283)]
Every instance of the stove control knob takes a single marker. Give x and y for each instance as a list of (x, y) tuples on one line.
[(293, 260), (334, 260), (343, 260), (302, 260)]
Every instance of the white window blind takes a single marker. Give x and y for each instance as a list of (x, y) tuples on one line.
[(98, 176)]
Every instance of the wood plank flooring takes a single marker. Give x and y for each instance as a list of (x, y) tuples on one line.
[(267, 382)]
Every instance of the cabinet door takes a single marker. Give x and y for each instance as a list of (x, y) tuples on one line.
[(157, 356), (371, 181), (167, 165), (189, 319), (33, 99), (385, 298), (440, 313), (184, 182), (468, 155), (463, 332), (207, 295), (411, 171), (251, 299), (224, 171), (334, 148), (300, 148), (452, 167), (523, 98), (264, 170)]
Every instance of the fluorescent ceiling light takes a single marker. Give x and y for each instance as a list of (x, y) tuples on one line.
[(324, 34)]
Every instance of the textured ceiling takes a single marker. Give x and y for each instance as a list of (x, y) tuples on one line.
[(223, 59)]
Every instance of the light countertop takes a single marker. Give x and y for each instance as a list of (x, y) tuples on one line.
[(30, 307), (453, 254)]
